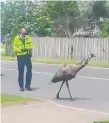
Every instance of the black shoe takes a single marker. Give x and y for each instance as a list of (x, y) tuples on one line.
[(21, 89), (29, 88)]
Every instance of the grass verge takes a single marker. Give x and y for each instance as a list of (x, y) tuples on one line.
[(59, 61), (12, 99), (101, 122)]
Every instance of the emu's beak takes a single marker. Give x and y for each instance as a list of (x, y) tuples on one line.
[(92, 55)]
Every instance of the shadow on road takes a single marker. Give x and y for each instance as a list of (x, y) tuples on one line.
[(1, 74), (74, 99), (36, 88)]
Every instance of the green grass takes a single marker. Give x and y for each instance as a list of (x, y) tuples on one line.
[(60, 61), (12, 99), (101, 122)]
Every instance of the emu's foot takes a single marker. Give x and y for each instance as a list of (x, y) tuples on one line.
[(49, 83), (71, 99), (57, 96)]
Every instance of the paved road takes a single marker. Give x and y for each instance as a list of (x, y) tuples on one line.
[(90, 88)]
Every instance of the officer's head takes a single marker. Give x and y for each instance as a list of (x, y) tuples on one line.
[(23, 31)]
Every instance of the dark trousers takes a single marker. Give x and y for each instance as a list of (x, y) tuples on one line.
[(22, 62)]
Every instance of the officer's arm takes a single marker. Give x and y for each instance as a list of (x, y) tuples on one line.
[(31, 44), (16, 46)]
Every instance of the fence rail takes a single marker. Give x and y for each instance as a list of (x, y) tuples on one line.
[(79, 48)]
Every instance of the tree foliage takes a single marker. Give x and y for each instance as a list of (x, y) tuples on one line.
[(57, 9), (99, 9), (14, 15), (38, 17), (17, 14), (59, 12), (105, 28)]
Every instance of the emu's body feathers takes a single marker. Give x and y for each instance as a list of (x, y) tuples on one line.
[(67, 73)]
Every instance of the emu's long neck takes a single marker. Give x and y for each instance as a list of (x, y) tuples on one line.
[(79, 67)]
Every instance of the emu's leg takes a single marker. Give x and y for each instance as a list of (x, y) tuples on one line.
[(60, 89), (67, 84)]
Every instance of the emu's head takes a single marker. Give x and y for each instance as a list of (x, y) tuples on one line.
[(88, 59), (92, 55)]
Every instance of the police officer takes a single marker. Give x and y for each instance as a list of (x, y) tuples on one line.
[(22, 45)]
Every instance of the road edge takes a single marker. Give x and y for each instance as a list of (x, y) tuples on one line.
[(93, 67)]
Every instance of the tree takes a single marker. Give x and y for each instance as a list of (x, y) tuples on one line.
[(17, 14), (104, 28), (13, 16), (60, 14), (99, 9), (38, 17)]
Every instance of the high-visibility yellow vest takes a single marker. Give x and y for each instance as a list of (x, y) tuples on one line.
[(18, 45)]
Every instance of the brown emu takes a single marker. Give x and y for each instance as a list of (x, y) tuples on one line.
[(69, 72)]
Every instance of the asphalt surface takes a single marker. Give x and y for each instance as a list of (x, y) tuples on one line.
[(90, 88)]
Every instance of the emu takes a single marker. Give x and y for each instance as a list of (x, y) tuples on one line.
[(67, 73)]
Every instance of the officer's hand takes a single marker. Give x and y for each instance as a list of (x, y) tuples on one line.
[(30, 52), (29, 49), (23, 50)]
